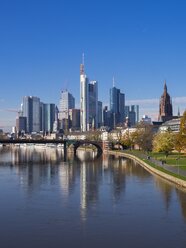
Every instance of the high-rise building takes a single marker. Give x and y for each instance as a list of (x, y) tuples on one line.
[(21, 124), (165, 106), (49, 117), (135, 108), (67, 101), (117, 105), (107, 117), (74, 119), (56, 121), (93, 104), (84, 100), (132, 118), (31, 110), (100, 113), (127, 109), (132, 114), (122, 107)]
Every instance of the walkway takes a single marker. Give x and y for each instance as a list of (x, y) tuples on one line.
[(171, 168)]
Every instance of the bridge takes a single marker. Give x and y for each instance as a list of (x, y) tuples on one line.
[(77, 143), (66, 143)]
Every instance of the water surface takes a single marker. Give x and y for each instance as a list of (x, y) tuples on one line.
[(85, 202)]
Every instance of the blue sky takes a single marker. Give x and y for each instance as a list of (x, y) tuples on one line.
[(140, 42)]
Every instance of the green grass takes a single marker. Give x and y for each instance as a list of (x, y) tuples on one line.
[(174, 159), (171, 159)]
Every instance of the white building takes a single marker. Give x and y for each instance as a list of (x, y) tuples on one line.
[(66, 102), (84, 100)]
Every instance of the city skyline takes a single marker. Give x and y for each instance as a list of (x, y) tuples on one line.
[(140, 43)]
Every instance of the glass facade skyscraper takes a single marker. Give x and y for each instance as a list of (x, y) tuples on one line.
[(117, 105), (31, 110), (93, 104), (49, 117)]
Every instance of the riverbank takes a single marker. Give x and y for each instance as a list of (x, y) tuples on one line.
[(153, 168)]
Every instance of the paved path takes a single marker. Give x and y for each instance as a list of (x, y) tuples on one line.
[(171, 168)]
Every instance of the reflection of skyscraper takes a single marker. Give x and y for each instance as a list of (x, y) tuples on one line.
[(31, 110)]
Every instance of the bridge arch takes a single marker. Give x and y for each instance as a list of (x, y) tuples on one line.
[(79, 143)]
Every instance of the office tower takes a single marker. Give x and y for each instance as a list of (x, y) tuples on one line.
[(165, 106), (93, 104), (49, 116), (132, 118), (31, 110), (74, 119), (67, 101), (107, 117), (100, 113), (117, 105), (127, 109), (21, 124), (42, 116), (135, 108), (56, 120), (122, 107), (84, 100)]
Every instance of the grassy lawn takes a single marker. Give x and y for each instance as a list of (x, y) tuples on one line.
[(175, 159), (160, 156)]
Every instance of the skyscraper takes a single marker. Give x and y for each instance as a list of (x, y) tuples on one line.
[(135, 108), (67, 101), (84, 100), (49, 117), (31, 110), (117, 105), (100, 113), (165, 107), (93, 104)]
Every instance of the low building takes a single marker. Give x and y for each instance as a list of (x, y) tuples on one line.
[(173, 125)]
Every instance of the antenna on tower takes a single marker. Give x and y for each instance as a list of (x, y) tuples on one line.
[(83, 59), (82, 66), (113, 81)]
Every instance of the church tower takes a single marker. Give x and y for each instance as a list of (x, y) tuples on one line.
[(165, 107)]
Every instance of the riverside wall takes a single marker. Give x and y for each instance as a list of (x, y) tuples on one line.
[(151, 169)]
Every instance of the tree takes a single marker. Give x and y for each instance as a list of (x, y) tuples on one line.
[(164, 142), (127, 139), (178, 142), (143, 136), (183, 124), (182, 135)]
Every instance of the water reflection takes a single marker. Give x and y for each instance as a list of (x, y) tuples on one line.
[(91, 179)]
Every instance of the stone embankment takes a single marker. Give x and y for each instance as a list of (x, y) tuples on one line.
[(151, 169)]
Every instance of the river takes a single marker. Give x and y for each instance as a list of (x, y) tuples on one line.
[(85, 202)]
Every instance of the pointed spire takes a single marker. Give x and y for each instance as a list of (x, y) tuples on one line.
[(165, 86)]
